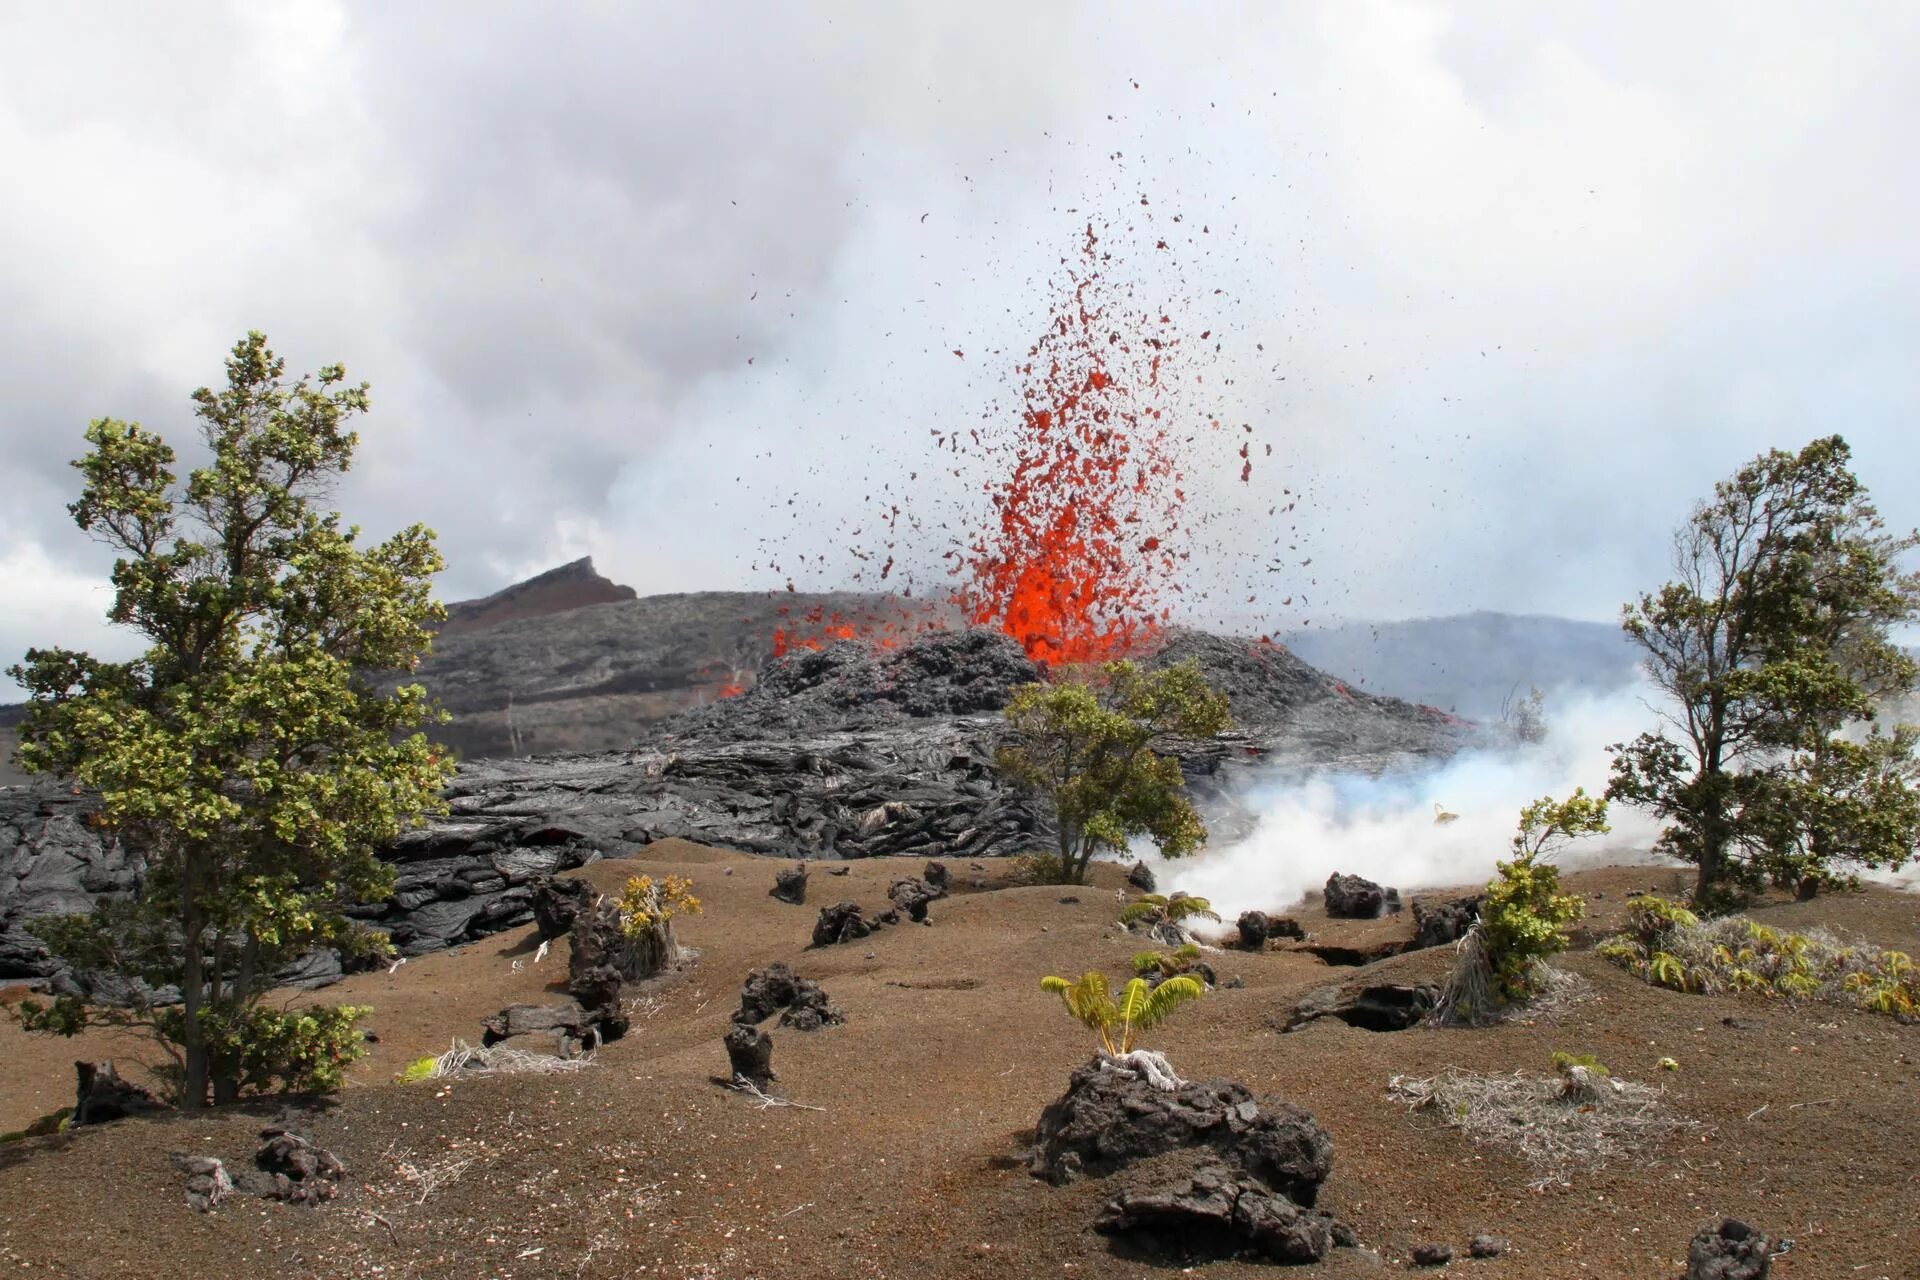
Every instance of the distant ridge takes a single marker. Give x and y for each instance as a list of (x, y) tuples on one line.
[(1470, 663), (571, 586)]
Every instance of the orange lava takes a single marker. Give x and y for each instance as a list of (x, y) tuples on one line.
[(1076, 565)]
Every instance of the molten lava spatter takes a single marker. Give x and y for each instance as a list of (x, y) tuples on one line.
[(1076, 565)]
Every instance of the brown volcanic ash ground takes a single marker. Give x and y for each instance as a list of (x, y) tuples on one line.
[(641, 1166)]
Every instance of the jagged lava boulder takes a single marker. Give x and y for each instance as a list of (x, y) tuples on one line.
[(1109, 1119), (1356, 898)]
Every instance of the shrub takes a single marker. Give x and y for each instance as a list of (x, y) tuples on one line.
[(268, 1050), (1118, 1023), (1668, 946), (647, 904)]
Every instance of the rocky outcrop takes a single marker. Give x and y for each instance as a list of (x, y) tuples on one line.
[(1437, 922), (749, 1054), (1219, 1212), (101, 1095), (1732, 1250), (1245, 1182), (557, 903), (1110, 1118), (790, 884), (912, 897), (564, 1030), (291, 1168), (841, 922), (1355, 898), (1386, 1006)]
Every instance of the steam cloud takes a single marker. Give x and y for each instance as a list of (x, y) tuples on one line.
[(1383, 827)]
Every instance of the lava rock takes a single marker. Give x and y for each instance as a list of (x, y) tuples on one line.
[(841, 922), (1730, 1251), (1432, 1255), (1254, 927), (557, 903), (101, 1095), (790, 884), (1140, 876), (598, 940), (912, 897), (1354, 898), (1218, 1212), (567, 1029), (750, 1054), (1285, 927), (1109, 1119), (811, 1010), (208, 1182), (936, 874), (598, 990), (293, 1169), (1387, 1006), (764, 993), (1435, 924), (1486, 1246)]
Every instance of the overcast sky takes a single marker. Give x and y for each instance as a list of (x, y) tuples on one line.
[(1506, 286)]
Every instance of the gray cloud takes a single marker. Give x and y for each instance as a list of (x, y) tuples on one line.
[(1528, 280)]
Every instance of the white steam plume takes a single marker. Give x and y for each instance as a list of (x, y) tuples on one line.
[(1383, 827)]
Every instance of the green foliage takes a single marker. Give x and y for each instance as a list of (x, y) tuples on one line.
[(1524, 915), (1182, 959), (1155, 908), (51, 1123), (1669, 947), (1564, 1063), (257, 753), (66, 1016), (1086, 748), (649, 904), (1119, 1022), (1772, 644), (269, 1050), (418, 1070)]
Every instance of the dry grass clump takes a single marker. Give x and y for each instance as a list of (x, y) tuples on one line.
[(465, 1059), (1576, 1119), (1471, 997)]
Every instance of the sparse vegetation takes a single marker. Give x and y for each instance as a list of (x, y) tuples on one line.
[(1772, 644), (1669, 946), (647, 904), (1140, 1007), (1523, 918), (248, 753), (1085, 746), (1167, 964), (1578, 1118), (1154, 909)]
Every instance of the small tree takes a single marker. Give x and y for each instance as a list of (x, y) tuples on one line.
[(1087, 748), (1523, 721), (1774, 639), (248, 754), (1523, 916)]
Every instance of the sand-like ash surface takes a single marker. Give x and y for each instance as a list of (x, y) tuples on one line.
[(641, 1166)]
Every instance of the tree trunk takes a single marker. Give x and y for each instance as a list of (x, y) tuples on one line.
[(193, 1040)]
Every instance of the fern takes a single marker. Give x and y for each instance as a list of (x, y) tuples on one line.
[(1118, 1023), (1665, 970)]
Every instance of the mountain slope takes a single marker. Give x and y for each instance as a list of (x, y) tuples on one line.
[(1470, 663)]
